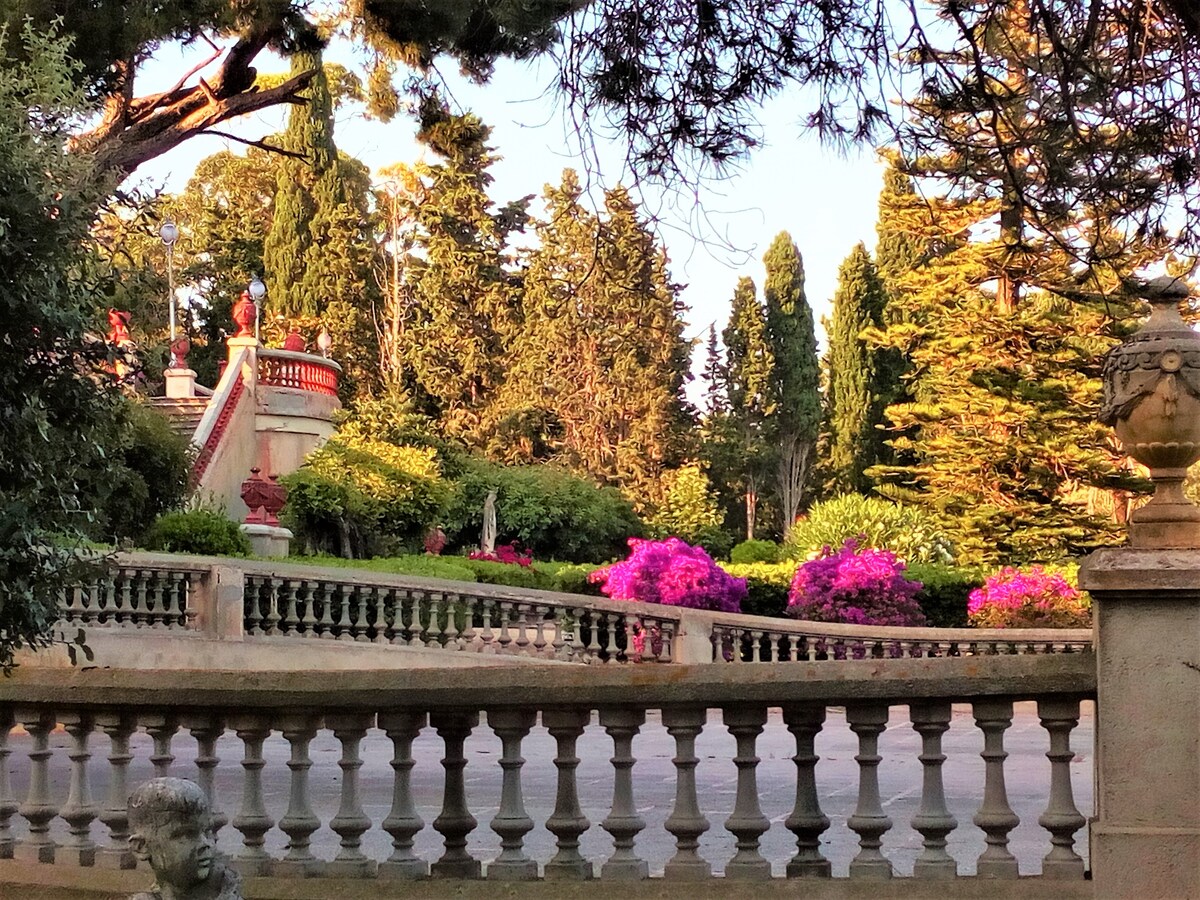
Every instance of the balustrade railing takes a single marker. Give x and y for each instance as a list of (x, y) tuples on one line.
[(334, 744), (300, 371)]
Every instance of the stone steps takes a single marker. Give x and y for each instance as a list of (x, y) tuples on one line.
[(184, 414)]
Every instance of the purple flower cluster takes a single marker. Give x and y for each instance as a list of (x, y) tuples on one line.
[(857, 587), (673, 573), (1034, 599)]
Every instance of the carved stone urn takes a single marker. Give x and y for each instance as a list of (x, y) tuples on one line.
[(1152, 399)]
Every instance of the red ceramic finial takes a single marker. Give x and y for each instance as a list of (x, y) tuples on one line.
[(244, 314)]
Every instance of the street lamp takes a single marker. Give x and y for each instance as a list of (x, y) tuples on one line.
[(169, 233), (258, 290)]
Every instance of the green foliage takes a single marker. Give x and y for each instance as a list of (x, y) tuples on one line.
[(147, 473), (203, 531), (909, 532), (748, 552), (795, 375), (944, 592), (767, 586), (685, 508), (570, 578), (855, 396), (509, 575), (56, 402), (449, 568), (547, 510)]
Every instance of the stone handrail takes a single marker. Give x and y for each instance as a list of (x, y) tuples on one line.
[(234, 598), (301, 371), (287, 725)]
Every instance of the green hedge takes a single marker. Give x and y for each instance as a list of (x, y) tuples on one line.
[(449, 568), (754, 552), (201, 531), (766, 586), (943, 596)]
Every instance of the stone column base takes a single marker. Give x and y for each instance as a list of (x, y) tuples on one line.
[(181, 384), (1131, 863), (268, 540)]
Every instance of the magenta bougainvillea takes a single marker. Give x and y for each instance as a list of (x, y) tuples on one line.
[(1034, 599), (856, 587), (505, 553), (674, 573)]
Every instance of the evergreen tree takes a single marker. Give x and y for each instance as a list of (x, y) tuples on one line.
[(795, 375), (898, 248), (714, 376), (749, 364), (855, 404)]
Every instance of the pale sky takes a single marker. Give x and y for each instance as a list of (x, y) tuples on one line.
[(826, 200)]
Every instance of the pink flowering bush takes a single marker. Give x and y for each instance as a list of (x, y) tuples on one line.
[(505, 553), (673, 573), (1034, 599), (856, 587)]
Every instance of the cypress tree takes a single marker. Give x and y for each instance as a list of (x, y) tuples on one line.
[(855, 404), (714, 375), (795, 418)]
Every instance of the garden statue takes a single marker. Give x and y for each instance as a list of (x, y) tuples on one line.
[(169, 822), (1152, 399), (435, 541), (487, 544), (245, 313), (294, 340)]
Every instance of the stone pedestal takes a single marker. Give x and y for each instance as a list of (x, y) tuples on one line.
[(268, 540), (180, 384), (1145, 837)]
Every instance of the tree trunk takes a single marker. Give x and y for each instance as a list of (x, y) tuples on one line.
[(751, 511)]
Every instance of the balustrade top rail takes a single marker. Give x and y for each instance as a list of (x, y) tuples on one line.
[(302, 601), (302, 371)]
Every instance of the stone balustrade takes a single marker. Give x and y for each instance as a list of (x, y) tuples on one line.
[(239, 600), (251, 742)]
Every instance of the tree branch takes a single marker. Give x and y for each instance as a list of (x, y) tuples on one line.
[(262, 145)]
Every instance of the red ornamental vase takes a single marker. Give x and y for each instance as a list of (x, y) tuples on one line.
[(254, 495), (275, 499), (244, 315)]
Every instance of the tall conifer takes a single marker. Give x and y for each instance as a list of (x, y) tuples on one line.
[(795, 379)]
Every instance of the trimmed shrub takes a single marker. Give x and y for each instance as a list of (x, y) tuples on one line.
[(491, 572), (944, 592), (553, 513), (684, 507), (748, 552), (673, 573), (767, 586), (909, 532), (202, 531), (444, 567), (570, 578), (856, 587), (1032, 599)]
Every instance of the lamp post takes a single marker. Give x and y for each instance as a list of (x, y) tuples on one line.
[(169, 233), (258, 290)]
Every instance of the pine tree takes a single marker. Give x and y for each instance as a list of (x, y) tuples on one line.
[(749, 364), (855, 404), (795, 375), (714, 375)]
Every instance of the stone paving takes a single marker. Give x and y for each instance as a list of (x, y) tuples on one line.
[(1027, 770)]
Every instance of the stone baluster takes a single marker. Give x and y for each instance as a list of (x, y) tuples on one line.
[(869, 821), (636, 635), (686, 823), (933, 820), (452, 607), (308, 618), (402, 822), (486, 635), (807, 822), (539, 636), (156, 605), (736, 639), (124, 595), (469, 639), (455, 821), (995, 817), (299, 822), (623, 822), (253, 598), (345, 628), (39, 808), (433, 634), (360, 622), (325, 624), (273, 617), (207, 730), (141, 603), (611, 620), (1061, 818), (252, 819), (595, 622), (161, 727), (117, 855), (76, 610), (503, 639), (8, 803), (380, 597), (351, 821), (747, 822), (291, 620), (79, 811), (523, 641), (567, 822), (511, 821)]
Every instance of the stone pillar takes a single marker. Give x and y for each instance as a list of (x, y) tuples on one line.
[(220, 604), (1145, 837), (180, 384)]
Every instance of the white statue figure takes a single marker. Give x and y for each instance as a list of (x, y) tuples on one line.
[(488, 542), (170, 827)]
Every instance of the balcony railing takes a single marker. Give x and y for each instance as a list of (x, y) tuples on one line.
[(299, 371), (298, 602), (253, 740)]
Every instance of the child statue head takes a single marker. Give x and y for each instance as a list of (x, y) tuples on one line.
[(170, 828)]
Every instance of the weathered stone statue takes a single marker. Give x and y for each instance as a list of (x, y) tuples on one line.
[(169, 827), (487, 543)]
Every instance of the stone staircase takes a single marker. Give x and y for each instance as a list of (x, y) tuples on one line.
[(183, 413)]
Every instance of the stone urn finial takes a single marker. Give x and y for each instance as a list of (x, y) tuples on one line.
[(1152, 399), (244, 314)]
